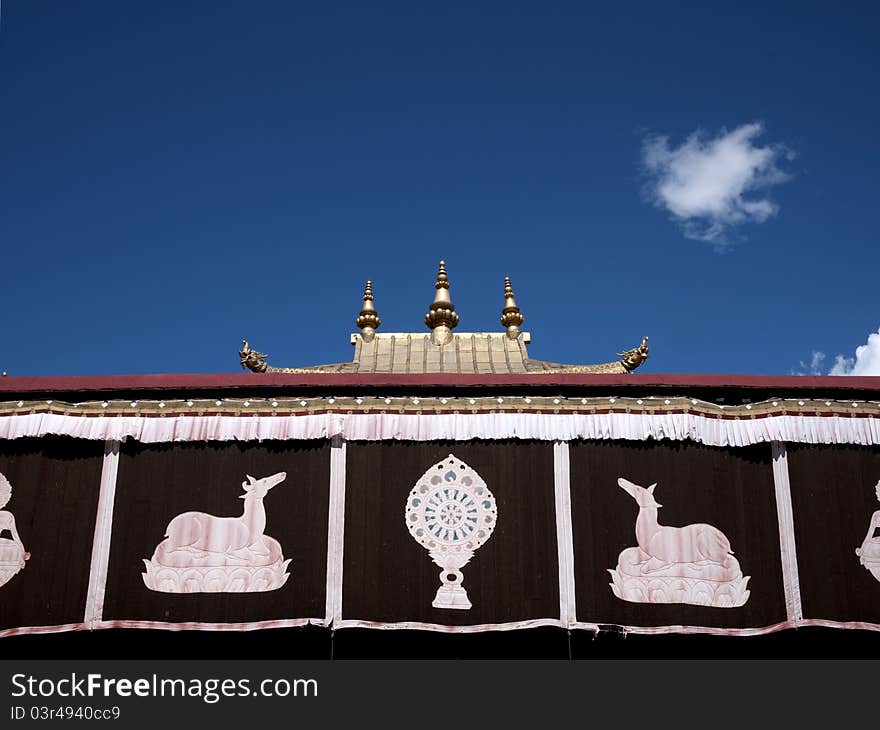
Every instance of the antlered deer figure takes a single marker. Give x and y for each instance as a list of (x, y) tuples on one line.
[(205, 553)]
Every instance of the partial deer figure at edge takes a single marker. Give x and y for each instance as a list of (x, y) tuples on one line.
[(698, 544), (231, 536)]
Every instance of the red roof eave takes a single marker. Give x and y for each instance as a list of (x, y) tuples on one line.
[(238, 381)]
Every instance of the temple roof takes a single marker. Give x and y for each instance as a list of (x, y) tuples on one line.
[(441, 350), (467, 352)]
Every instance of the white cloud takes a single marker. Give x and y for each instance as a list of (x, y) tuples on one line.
[(703, 182), (866, 361), (814, 367)]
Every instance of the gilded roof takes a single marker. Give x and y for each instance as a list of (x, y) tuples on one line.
[(441, 350), (467, 352)]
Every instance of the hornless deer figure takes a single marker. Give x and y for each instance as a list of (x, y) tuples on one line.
[(697, 544), (238, 538)]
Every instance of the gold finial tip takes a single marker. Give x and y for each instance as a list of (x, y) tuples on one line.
[(442, 278), (441, 316), (511, 316), (368, 319)]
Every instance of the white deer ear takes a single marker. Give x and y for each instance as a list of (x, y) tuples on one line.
[(250, 479), (651, 488), (247, 487)]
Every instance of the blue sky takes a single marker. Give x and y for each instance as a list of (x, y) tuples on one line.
[(177, 176)]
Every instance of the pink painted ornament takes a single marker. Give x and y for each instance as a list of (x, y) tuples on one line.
[(869, 552), (692, 564), (202, 553), (451, 513), (12, 552)]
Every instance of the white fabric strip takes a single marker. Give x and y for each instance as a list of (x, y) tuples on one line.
[(101, 541), (43, 629), (204, 626), (175, 428), (448, 629), (336, 533), (564, 537), (790, 578), (455, 426), (686, 629)]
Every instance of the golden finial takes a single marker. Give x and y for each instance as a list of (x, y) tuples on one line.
[(631, 359), (511, 317), (368, 320), (441, 316)]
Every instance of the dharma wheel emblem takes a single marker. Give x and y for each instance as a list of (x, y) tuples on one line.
[(451, 512)]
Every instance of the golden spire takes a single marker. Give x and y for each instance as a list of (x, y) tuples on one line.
[(441, 316), (368, 321), (511, 317)]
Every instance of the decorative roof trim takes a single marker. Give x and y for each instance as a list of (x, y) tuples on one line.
[(253, 382), (559, 404), (451, 419)]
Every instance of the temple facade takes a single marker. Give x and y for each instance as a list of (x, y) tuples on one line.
[(441, 484)]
